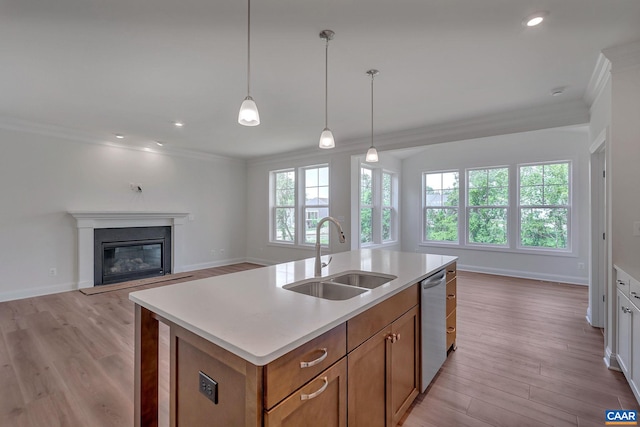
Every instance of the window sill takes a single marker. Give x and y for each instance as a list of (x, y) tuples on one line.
[(520, 251), (294, 246)]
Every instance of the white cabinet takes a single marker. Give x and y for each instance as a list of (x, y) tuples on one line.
[(624, 330), (628, 328)]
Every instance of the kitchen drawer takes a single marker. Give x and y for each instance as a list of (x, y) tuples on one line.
[(451, 329), (321, 402), (623, 281), (451, 296), (289, 372), (634, 292), (367, 324), (451, 272)]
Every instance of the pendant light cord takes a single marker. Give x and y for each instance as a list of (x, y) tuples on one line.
[(326, 84), (248, 45), (372, 77)]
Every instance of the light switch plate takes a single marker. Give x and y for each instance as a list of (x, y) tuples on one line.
[(636, 228), (208, 387)]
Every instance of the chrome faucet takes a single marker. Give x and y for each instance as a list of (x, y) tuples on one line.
[(319, 264)]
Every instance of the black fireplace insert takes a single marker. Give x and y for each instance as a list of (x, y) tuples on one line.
[(122, 254)]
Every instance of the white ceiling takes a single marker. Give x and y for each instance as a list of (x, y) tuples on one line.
[(102, 67)]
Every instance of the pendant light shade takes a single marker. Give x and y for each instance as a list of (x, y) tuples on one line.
[(248, 115), (372, 153), (326, 137)]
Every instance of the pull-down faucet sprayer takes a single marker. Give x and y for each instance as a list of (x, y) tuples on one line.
[(319, 263)]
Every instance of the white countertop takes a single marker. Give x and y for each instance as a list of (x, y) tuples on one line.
[(251, 315)]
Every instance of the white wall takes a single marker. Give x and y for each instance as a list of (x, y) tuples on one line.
[(545, 145), (43, 177)]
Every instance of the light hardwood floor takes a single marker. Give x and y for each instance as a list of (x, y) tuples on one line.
[(526, 357)]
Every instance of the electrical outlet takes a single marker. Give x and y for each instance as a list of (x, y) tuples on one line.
[(208, 387), (213, 252), (53, 271), (636, 228)]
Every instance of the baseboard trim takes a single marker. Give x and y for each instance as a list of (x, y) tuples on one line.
[(610, 360), (574, 280), (37, 292), (259, 261), (211, 264)]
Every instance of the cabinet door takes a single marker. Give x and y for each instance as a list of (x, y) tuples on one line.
[(624, 333), (368, 371), (635, 348), (405, 369), (323, 401)]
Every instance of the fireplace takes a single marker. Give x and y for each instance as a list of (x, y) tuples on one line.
[(122, 254)]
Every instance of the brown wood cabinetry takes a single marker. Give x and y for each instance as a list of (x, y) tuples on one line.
[(384, 370), (322, 401)]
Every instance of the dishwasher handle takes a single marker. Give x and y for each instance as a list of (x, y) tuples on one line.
[(434, 280)]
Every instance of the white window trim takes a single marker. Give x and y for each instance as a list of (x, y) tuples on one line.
[(570, 215), (467, 209), (514, 221), (376, 189), (461, 194), (299, 207)]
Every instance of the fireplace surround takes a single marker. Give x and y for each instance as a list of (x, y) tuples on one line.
[(88, 221)]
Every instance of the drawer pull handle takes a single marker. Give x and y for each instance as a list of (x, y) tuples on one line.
[(626, 310), (451, 296), (636, 296), (316, 393), (451, 330), (621, 282), (315, 362), (393, 338)]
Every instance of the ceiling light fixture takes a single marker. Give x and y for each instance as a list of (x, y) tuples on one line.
[(159, 144), (557, 91), (326, 137), (372, 153), (535, 19), (248, 115), (119, 136), (178, 124)]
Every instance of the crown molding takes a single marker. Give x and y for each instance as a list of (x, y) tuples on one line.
[(623, 56), (599, 78), (78, 136), (568, 113)]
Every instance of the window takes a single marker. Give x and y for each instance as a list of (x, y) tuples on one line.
[(387, 207), (441, 196), (488, 206), (299, 196), (366, 205), (284, 211), (544, 205), (316, 203), (378, 206)]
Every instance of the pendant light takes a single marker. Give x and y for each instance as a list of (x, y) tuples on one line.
[(248, 115), (372, 154), (326, 137)]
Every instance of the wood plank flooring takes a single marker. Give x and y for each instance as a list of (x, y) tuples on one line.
[(526, 357)]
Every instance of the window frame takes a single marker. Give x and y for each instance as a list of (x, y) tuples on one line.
[(423, 216), (468, 208), (376, 207), (569, 207), (300, 206)]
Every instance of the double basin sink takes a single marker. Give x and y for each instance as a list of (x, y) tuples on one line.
[(340, 286)]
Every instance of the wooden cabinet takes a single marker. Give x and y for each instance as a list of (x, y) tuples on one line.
[(452, 298), (384, 370), (321, 401)]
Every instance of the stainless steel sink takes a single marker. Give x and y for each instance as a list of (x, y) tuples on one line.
[(363, 279), (325, 289)]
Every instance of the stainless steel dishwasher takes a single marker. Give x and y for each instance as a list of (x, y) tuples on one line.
[(433, 298)]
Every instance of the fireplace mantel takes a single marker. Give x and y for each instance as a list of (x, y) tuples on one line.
[(87, 221)]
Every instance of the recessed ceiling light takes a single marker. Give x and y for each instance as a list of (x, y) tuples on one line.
[(119, 136), (535, 19), (178, 124), (160, 143), (557, 91)]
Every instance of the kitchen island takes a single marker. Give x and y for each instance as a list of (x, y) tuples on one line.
[(234, 337)]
